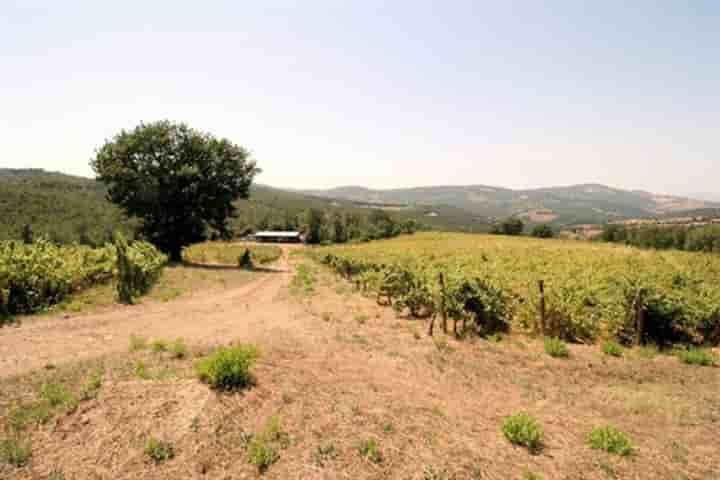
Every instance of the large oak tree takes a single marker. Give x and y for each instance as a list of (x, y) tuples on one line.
[(179, 181)]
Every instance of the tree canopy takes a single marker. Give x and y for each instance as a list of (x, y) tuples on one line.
[(179, 181), (509, 226)]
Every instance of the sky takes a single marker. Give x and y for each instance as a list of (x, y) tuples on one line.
[(383, 94)]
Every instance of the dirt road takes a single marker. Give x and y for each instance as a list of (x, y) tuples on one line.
[(248, 312)]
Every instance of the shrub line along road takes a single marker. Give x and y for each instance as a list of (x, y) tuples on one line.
[(245, 313)]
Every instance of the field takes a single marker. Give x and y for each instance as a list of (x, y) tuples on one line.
[(344, 387), (579, 291)]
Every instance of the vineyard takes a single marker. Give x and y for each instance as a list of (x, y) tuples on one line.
[(36, 276), (578, 291)]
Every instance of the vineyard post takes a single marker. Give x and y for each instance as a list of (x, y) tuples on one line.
[(639, 316), (442, 303), (541, 286)]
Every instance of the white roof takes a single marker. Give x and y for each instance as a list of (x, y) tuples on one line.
[(277, 234)]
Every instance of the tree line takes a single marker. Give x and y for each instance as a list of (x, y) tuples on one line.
[(692, 239)]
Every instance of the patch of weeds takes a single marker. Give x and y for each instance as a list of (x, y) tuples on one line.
[(324, 454), (612, 349), (529, 475), (556, 348), (56, 475), (137, 343), (26, 414), (228, 368), (159, 451), (359, 339), (388, 428), (361, 318), (303, 282), (679, 453), (696, 356), (442, 345), (263, 448), (141, 371), (610, 440), (90, 390), (495, 338), (58, 395), (178, 349), (15, 451), (430, 472), (159, 346), (648, 351), (608, 470), (370, 450), (523, 430)]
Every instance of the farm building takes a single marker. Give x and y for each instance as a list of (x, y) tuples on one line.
[(278, 237)]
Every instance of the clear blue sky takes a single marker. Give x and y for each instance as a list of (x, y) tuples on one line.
[(378, 93)]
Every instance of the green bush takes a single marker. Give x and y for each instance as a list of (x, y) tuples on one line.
[(613, 349), (244, 260), (15, 451), (228, 368), (139, 265), (370, 450), (696, 356), (556, 348), (159, 451), (610, 440), (522, 429)]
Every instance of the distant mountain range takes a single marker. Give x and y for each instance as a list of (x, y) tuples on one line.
[(585, 203)]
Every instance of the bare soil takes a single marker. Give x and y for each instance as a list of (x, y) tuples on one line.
[(336, 370)]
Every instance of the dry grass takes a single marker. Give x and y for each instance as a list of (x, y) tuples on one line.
[(376, 399)]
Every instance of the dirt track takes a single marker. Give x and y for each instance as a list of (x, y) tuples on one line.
[(246, 312)]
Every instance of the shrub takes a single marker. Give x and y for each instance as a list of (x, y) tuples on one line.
[(228, 368), (522, 429), (610, 440), (245, 261), (15, 452), (696, 356), (159, 451), (139, 265), (370, 450), (613, 349), (178, 349), (556, 348)]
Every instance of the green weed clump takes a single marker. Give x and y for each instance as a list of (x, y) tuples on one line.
[(696, 356), (523, 430), (612, 349), (159, 451), (264, 448), (370, 450), (610, 440), (91, 388), (137, 343), (159, 346), (228, 368), (303, 283), (15, 451), (556, 348), (58, 395), (179, 349)]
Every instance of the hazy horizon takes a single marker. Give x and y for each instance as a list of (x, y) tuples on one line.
[(412, 94)]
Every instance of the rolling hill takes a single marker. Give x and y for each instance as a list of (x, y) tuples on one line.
[(585, 203)]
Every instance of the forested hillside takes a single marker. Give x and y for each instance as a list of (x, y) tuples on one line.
[(68, 209)]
